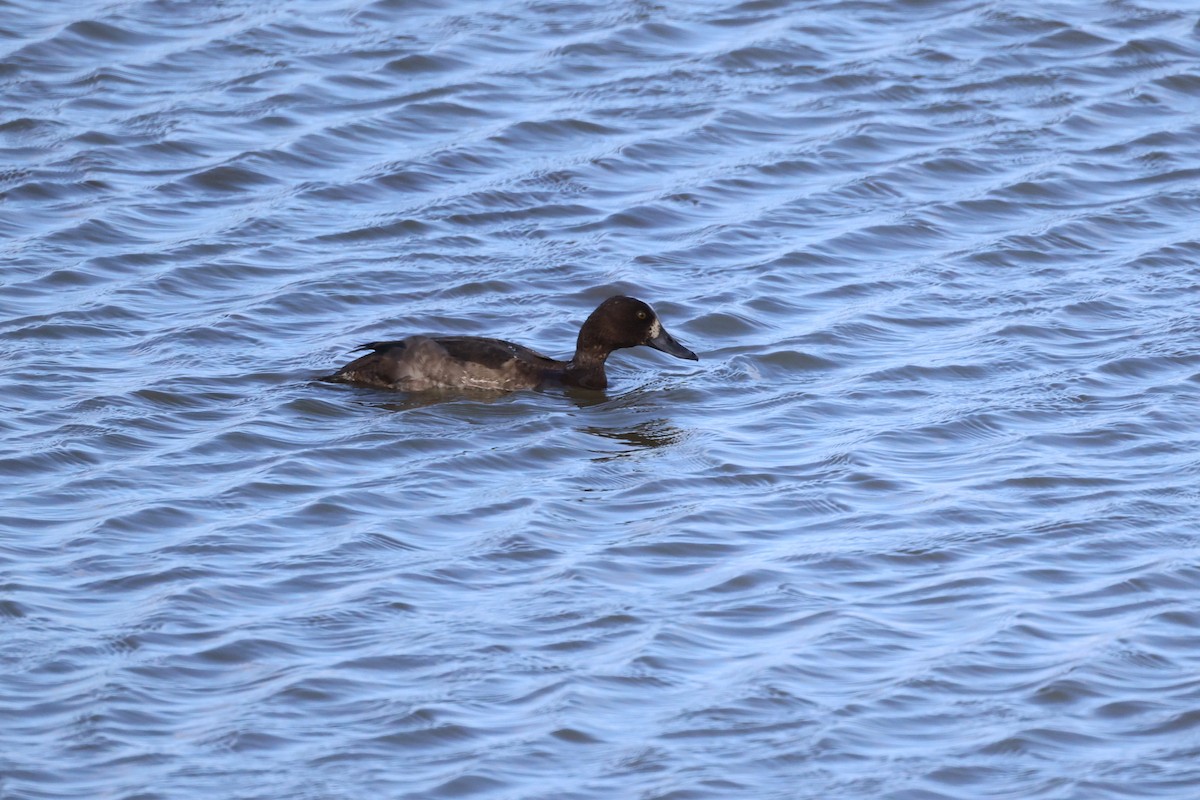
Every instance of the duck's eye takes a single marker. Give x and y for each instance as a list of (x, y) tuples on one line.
[(641, 315)]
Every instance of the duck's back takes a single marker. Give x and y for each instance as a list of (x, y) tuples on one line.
[(465, 362)]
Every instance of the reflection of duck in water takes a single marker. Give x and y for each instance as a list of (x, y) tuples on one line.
[(474, 362), (636, 441)]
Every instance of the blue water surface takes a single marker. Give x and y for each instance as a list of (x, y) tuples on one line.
[(921, 524)]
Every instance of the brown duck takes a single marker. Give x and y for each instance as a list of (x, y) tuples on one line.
[(473, 362)]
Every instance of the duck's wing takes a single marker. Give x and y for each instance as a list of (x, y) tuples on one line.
[(491, 353)]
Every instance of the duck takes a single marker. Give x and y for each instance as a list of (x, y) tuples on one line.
[(420, 363)]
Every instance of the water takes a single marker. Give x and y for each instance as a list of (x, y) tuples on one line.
[(920, 524)]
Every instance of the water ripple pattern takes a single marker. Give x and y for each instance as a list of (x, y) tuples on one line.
[(921, 524)]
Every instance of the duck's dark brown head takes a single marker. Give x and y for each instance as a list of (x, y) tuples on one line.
[(625, 322)]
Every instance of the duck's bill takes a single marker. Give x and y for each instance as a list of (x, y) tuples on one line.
[(666, 342)]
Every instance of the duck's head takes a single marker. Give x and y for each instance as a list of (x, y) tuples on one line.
[(628, 322)]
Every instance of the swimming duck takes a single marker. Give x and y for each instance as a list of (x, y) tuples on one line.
[(473, 362)]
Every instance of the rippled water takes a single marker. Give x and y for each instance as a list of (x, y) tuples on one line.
[(921, 523)]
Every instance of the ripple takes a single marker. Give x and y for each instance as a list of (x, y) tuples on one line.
[(921, 515)]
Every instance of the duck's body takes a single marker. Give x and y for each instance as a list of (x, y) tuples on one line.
[(419, 363), (434, 362)]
